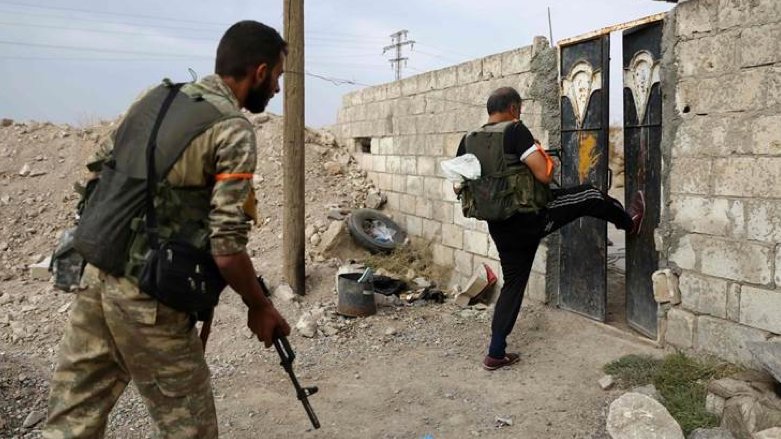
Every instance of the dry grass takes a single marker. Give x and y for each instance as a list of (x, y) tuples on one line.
[(416, 256)]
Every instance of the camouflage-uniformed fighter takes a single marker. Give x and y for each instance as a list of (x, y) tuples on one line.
[(116, 332)]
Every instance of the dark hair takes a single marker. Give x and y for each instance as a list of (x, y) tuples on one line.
[(501, 99), (246, 45)]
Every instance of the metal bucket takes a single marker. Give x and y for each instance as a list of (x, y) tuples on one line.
[(356, 299)]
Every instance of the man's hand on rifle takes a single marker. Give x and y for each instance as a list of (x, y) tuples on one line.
[(266, 323)]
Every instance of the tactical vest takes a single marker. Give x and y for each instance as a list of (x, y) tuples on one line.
[(506, 186), (111, 233)]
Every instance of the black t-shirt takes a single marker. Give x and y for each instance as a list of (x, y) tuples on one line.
[(517, 139)]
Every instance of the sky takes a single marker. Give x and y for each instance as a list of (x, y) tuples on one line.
[(79, 61)]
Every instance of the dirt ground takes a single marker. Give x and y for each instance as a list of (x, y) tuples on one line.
[(406, 372)]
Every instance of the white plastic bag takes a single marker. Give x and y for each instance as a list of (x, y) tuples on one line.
[(464, 167)]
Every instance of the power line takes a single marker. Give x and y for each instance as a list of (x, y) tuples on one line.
[(399, 40), (95, 49)]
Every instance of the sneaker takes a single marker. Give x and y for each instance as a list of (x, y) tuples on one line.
[(491, 363), (636, 211)]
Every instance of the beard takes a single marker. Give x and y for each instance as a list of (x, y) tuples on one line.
[(258, 97)]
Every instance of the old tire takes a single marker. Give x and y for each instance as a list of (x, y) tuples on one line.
[(361, 221)]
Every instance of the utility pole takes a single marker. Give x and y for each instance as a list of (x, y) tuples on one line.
[(293, 161), (398, 40)]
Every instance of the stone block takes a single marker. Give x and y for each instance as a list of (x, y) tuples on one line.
[(409, 86), (414, 225), (710, 136), (442, 211), (711, 54), (492, 66), (680, 328), (392, 90), (634, 415), (427, 166), (764, 221), (704, 295), (726, 339), (766, 135), (711, 216), (433, 145), (387, 145), (694, 18), (442, 255), (540, 259), (451, 143), (742, 261), (433, 187), (475, 242), (778, 267), (453, 236), (516, 61), (415, 185), (399, 183), (426, 82), (743, 13), (760, 45), (378, 163), (714, 404), (748, 177), (470, 71), (394, 200), (733, 302), (422, 207), (761, 308), (665, 287), (445, 78), (407, 203), (408, 164), (448, 194), (682, 253), (463, 262), (432, 230), (748, 91), (690, 176)]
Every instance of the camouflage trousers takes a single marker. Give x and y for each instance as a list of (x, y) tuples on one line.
[(116, 334)]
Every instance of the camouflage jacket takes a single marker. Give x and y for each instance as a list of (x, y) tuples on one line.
[(224, 156)]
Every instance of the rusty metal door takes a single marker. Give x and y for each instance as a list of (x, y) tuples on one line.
[(585, 83), (642, 152)]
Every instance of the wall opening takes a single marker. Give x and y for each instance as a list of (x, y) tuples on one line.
[(363, 145)]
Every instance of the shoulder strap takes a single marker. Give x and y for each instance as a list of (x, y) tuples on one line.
[(151, 170)]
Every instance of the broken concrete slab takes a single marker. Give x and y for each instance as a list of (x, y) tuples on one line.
[(768, 354), (337, 242), (40, 271), (665, 286), (636, 416)]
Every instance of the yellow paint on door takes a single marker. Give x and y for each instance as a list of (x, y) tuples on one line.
[(588, 156)]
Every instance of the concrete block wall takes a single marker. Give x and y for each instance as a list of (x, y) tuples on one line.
[(413, 124), (722, 216)]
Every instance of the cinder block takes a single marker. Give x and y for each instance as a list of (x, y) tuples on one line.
[(690, 176), (385, 182), (476, 242), (434, 145), (748, 177), (409, 165), (761, 308), (726, 339), (422, 207), (463, 262), (712, 216), (453, 236), (393, 164), (443, 211), (394, 200), (764, 221), (386, 145), (516, 61), (707, 136), (742, 261), (665, 286), (443, 255), (414, 225), (704, 295), (407, 203), (399, 183), (469, 72), (680, 328)]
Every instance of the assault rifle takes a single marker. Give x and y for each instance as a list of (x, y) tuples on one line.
[(287, 356)]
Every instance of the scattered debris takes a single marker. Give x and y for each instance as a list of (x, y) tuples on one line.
[(390, 331), (25, 171), (285, 292), (502, 421), (308, 323), (665, 287), (607, 382), (6, 122), (375, 199), (33, 418), (333, 168), (480, 282), (40, 271)]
